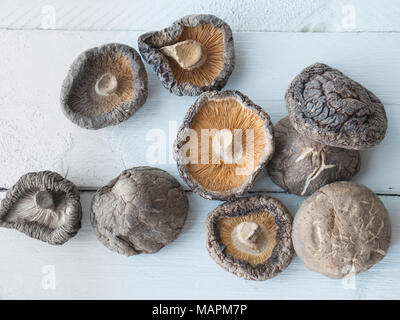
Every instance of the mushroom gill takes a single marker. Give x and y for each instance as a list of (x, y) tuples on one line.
[(41, 207), (212, 41), (227, 119), (105, 83), (251, 237), (44, 206)]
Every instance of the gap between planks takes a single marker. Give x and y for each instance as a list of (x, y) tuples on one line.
[(94, 189), (234, 31)]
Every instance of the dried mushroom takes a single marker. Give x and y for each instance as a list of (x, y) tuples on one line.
[(328, 107), (342, 229), (140, 211), (251, 237), (301, 165), (44, 206), (223, 144), (104, 86), (194, 55)]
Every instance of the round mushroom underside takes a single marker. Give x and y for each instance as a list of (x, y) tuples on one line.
[(104, 86), (342, 229), (44, 206), (251, 237), (195, 54), (329, 107), (223, 144), (301, 165), (140, 211), (105, 83)]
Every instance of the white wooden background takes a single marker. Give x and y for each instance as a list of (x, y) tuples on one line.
[(34, 135)]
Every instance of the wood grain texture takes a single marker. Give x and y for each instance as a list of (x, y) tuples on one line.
[(249, 15), (35, 135), (85, 269)]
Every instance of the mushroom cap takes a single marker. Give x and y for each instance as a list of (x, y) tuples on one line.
[(140, 211), (80, 98), (221, 110), (216, 37), (342, 229), (301, 165), (267, 212), (55, 225), (329, 107)]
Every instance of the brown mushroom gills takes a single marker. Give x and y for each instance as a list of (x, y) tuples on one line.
[(251, 238), (40, 207), (227, 114), (106, 82), (212, 41)]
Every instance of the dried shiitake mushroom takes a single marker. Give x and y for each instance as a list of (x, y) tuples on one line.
[(327, 106), (251, 237), (44, 206), (194, 55), (301, 165), (224, 142), (104, 86), (140, 211), (342, 229)]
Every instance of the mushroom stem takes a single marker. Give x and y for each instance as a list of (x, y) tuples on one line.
[(249, 232), (222, 144), (44, 200), (250, 237), (189, 54), (106, 85)]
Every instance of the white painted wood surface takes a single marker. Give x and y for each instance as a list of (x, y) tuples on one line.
[(248, 15), (34, 135)]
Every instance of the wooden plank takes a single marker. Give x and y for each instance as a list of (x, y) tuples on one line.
[(84, 268), (34, 134), (261, 15)]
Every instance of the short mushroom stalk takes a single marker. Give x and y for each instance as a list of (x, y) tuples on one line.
[(44, 200), (248, 233), (189, 54), (223, 144), (106, 85)]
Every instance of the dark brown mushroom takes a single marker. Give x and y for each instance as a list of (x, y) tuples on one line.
[(193, 55), (301, 165), (140, 211), (329, 107), (342, 229), (104, 86), (251, 237), (223, 144), (44, 206)]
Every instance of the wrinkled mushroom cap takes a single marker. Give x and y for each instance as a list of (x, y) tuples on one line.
[(274, 250), (342, 229), (104, 86), (301, 165), (236, 127), (140, 211), (329, 107), (44, 206), (212, 33)]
